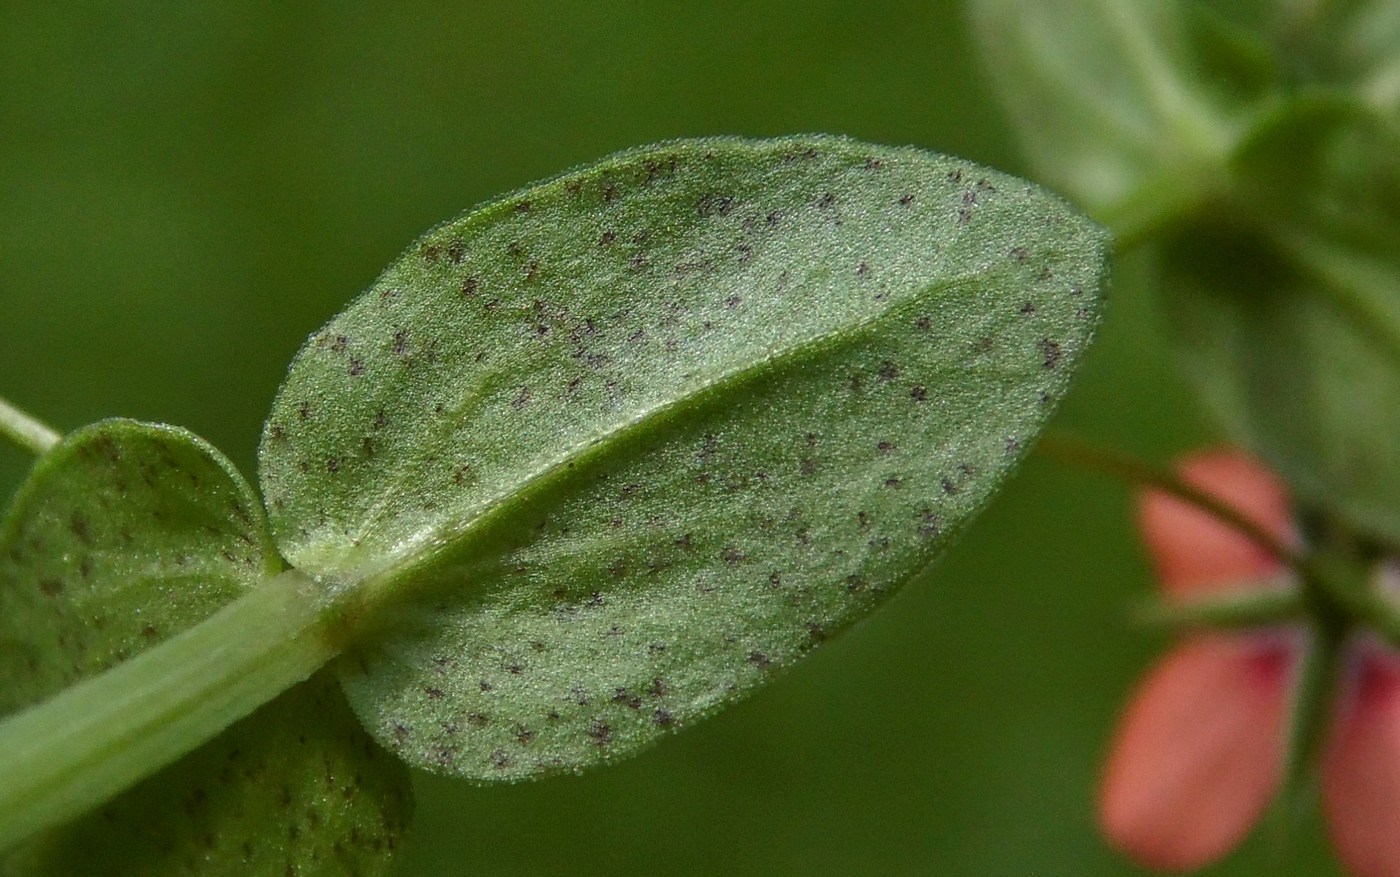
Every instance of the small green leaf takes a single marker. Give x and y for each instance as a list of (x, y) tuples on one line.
[(600, 457), (124, 535), (296, 788), (1287, 302)]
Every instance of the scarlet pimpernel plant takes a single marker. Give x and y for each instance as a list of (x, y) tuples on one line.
[(582, 467), (600, 457)]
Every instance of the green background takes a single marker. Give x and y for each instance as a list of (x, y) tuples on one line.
[(188, 189)]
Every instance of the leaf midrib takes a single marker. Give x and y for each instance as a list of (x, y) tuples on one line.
[(378, 582)]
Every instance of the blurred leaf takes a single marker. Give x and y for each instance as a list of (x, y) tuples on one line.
[(1287, 299), (1350, 44), (1283, 279), (1110, 96), (124, 535), (602, 456), (1370, 49)]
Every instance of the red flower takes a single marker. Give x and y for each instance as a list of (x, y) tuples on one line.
[(1200, 751)]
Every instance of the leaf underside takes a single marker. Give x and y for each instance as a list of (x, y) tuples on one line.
[(602, 456), (124, 535)]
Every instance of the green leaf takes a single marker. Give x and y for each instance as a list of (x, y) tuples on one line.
[(1111, 97), (602, 456), (296, 788), (1370, 50), (1348, 44), (1287, 303), (124, 535)]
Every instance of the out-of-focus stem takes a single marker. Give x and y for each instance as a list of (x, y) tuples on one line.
[(28, 432)]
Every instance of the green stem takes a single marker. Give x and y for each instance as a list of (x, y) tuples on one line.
[(1120, 465), (1332, 589), (1254, 608), (1310, 714), (91, 741), (1347, 590), (30, 433)]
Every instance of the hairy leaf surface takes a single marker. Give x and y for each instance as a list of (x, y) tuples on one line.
[(603, 455)]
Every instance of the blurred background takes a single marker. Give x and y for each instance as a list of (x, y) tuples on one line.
[(189, 189)]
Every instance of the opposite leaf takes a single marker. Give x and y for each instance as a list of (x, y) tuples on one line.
[(600, 457), (124, 535)]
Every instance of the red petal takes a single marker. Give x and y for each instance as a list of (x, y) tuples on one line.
[(1199, 752), (1194, 551), (1361, 775)]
